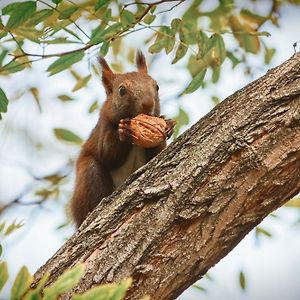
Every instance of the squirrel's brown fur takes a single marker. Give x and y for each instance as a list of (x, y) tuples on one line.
[(107, 158)]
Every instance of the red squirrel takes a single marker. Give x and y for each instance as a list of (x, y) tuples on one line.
[(108, 157)]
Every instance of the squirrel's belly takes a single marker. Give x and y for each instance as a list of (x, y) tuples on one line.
[(135, 160)]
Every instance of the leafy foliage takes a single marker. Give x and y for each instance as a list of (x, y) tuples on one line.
[(65, 62), (67, 135), (3, 274), (3, 102), (8, 229), (261, 231), (21, 284), (242, 280), (57, 23), (111, 291), (64, 283)]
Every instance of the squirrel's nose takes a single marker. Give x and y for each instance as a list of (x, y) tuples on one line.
[(148, 106)]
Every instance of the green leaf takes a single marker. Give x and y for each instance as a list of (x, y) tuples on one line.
[(65, 98), (180, 53), (93, 107), (242, 280), (127, 18), (170, 44), (216, 52), (110, 291), (188, 33), (3, 102), (269, 53), (107, 16), (202, 43), (215, 100), (165, 39), (81, 83), (149, 19), (64, 282), (208, 276), (61, 40), (104, 48), (261, 231), (220, 53), (65, 62), (121, 290), (3, 274), (245, 35), (227, 4), (176, 24), (101, 3), (192, 13), (21, 284), (56, 1), (212, 56), (12, 227), (8, 9), (19, 13), (2, 226), (196, 82), (64, 25), (67, 136), (199, 287), (116, 46), (36, 95), (253, 18), (39, 17), (35, 293), (12, 67), (3, 34), (67, 13), (158, 46), (97, 35), (234, 60), (1, 249), (216, 74), (195, 65), (181, 119), (54, 179), (112, 30)]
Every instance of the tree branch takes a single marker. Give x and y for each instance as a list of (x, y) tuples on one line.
[(185, 210)]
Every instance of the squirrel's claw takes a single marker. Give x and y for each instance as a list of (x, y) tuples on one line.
[(124, 130), (170, 127)]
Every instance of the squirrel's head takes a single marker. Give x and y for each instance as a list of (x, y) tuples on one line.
[(131, 93)]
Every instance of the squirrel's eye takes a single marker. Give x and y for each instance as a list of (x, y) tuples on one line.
[(122, 90), (157, 87)]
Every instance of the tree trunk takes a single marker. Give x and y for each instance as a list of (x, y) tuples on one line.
[(186, 209)]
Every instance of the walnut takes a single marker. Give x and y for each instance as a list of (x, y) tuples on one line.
[(148, 131)]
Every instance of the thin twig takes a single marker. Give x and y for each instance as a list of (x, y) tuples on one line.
[(73, 22), (171, 8), (150, 4), (17, 42)]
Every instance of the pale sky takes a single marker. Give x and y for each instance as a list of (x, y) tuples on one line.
[(272, 267)]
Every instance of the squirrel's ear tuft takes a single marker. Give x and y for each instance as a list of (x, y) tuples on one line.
[(141, 62), (107, 75)]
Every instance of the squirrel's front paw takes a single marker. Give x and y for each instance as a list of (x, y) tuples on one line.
[(170, 127), (124, 130)]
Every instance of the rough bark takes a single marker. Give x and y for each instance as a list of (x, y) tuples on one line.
[(180, 214)]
